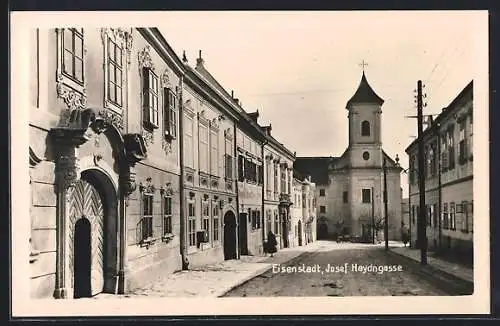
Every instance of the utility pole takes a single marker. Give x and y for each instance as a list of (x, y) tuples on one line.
[(386, 222), (422, 221), (373, 217)]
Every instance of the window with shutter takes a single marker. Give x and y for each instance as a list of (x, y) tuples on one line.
[(241, 168), (150, 99), (169, 113)]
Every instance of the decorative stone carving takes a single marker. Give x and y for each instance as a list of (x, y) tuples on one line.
[(34, 159), (111, 118), (145, 60), (167, 146), (147, 186), (72, 99), (228, 133), (214, 124), (135, 151), (167, 190), (165, 79), (148, 137), (66, 171)]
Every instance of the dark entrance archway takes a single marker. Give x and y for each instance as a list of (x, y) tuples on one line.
[(322, 232), (83, 260), (92, 231), (229, 236), (243, 242), (300, 232)]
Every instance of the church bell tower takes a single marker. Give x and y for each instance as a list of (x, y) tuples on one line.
[(365, 113)]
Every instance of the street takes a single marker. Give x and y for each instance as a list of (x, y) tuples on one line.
[(340, 270)]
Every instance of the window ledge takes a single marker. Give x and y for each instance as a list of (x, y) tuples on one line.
[(167, 237), (147, 242), (150, 126)]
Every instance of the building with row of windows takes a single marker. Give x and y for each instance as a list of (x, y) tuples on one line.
[(141, 164), (303, 212), (448, 173)]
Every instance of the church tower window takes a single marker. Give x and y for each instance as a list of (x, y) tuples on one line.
[(365, 128)]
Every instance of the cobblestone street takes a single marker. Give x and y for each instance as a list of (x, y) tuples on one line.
[(348, 282)]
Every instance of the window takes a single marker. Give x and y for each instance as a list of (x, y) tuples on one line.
[(345, 198), (366, 194), (255, 219), (445, 216), (188, 142), (250, 170), (451, 148), (147, 216), (170, 113), (412, 169), (167, 215), (470, 138), (203, 148), (322, 209), (462, 145), (322, 192), (452, 216), (214, 153), (150, 98), (205, 214), (115, 70), (241, 168), (432, 160), (268, 221), (430, 213), (365, 128), (216, 220), (283, 180), (413, 214), (72, 57), (192, 223), (435, 215), (276, 223), (260, 174), (228, 160), (275, 178), (444, 152), (470, 217)]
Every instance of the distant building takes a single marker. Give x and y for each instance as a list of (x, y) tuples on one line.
[(350, 187), (448, 174), (303, 212)]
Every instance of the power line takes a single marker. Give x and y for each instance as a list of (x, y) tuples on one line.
[(446, 47)]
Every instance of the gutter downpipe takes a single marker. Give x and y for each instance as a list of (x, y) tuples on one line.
[(182, 211)]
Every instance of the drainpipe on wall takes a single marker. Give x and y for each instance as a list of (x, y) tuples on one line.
[(182, 211), (235, 152), (263, 220), (439, 188)]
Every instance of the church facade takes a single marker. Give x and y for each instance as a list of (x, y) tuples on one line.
[(350, 188)]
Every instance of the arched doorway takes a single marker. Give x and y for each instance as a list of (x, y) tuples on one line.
[(229, 236), (322, 232), (89, 222), (83, 260), (300, 232)]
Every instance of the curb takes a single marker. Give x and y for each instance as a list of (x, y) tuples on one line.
[(255, 274), (445, 281)]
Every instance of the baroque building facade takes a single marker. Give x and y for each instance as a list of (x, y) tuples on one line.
[(140, 164), (448, 172), (278, 176), (350, 187)]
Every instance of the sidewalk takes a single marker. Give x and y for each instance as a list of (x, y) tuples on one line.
[(457, 270), (218, 279)]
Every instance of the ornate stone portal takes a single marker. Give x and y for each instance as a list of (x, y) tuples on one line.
[(66, 139)]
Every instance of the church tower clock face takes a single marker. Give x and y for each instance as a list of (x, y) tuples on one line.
[(366, 155)]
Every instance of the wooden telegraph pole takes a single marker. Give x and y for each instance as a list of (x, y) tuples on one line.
[(422, 221), (386, 222)]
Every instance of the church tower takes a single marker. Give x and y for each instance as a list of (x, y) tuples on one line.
[(365, 138)]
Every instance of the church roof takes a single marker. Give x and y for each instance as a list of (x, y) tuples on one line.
[(316, 167), (365, 94)]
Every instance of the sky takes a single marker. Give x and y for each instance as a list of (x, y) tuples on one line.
[(300, 68)]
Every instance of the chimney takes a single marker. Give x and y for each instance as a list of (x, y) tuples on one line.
[(254, 115), (232, 94), (199, 60)]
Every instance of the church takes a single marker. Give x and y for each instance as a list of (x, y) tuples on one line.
[(350, 188)]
